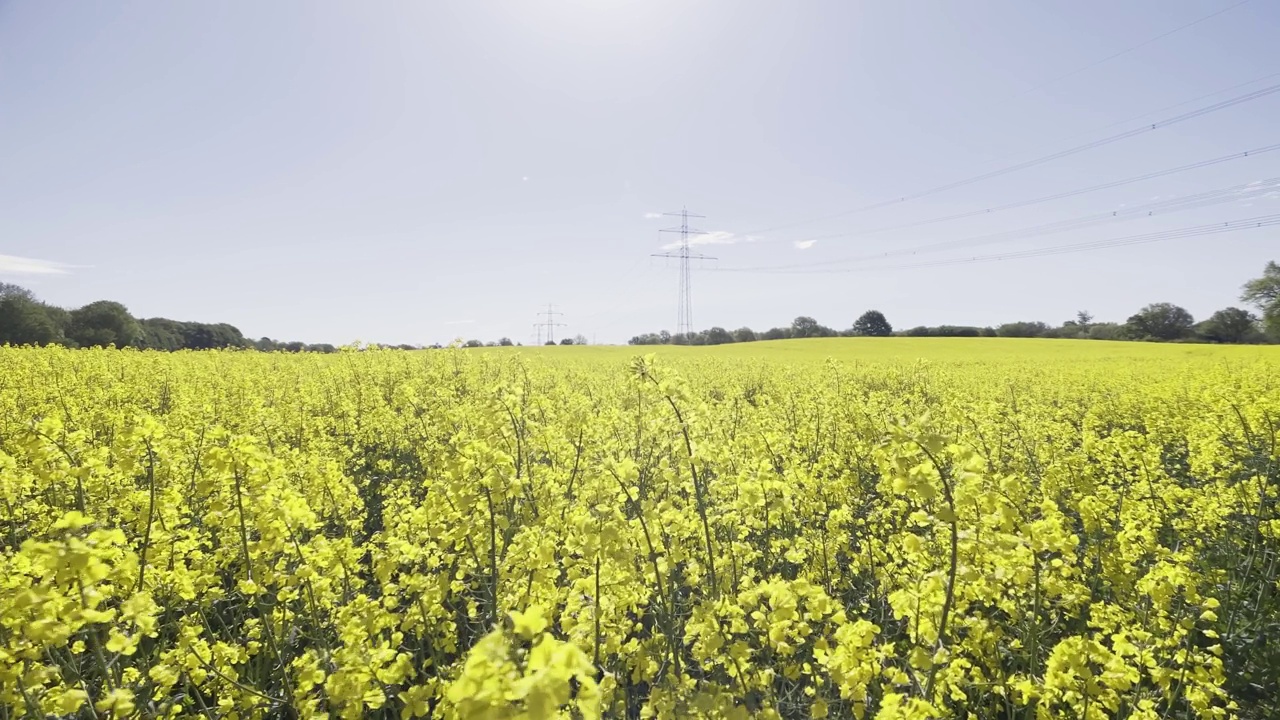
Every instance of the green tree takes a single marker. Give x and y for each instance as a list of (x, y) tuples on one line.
[(1105, 331), (1264, 294), (1160, 321), (203, 336), (1232, 325), (1025, 329), (872, 323), (717, 336), (803, 327), (8, 290), (160, 334), (24, 321), (103, 323)]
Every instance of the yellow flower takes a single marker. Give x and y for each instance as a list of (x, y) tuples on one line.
[(530, 622), (118, 703)]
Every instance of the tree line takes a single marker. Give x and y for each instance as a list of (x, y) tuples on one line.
[(25, 320), (1160, 322)]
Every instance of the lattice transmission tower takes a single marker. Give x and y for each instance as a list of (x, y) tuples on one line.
[(549, 323), (683, 254)]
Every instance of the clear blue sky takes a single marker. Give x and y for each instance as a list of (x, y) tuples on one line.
[(414, 171)]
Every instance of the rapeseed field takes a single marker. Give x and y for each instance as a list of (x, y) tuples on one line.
[(866, 528)]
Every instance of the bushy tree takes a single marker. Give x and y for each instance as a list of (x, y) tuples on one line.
[(8, 290), (1160, 321), (1105, 331), (25, 321), (744, 334), (717, 336), (1231, 325), (203, 336), (1024, 329), (1264, 294), (803, 327), (160, 334), (103, 323), (872, 323)]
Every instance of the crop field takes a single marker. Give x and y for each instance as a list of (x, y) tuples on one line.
[(845, 528)]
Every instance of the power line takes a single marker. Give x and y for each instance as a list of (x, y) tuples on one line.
[(1243, 191), (550, 324), (1178, 234), (684, 298), (1126, 51), (1150, 127), (1133, 118), (1048, 198)]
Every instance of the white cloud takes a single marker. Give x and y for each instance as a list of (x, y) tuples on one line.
[(458, 322), (525, 178), (652, 215), (13, 265), (717, 237), (804, 244)]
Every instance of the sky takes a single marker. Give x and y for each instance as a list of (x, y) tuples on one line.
[(416, 172)]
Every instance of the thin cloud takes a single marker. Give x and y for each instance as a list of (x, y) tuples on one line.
[(458, 322), (718, 237), (13, 265), (652, 215), (804, 244)]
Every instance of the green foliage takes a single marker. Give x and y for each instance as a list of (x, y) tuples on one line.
[(950, 331), (1105, 331), (104, 323), (25, 321), (1232, 325), (8, 290), (1160, 321), (807, 327), (1264, 293), (1025, 329), (872, 323), (717, 336)]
